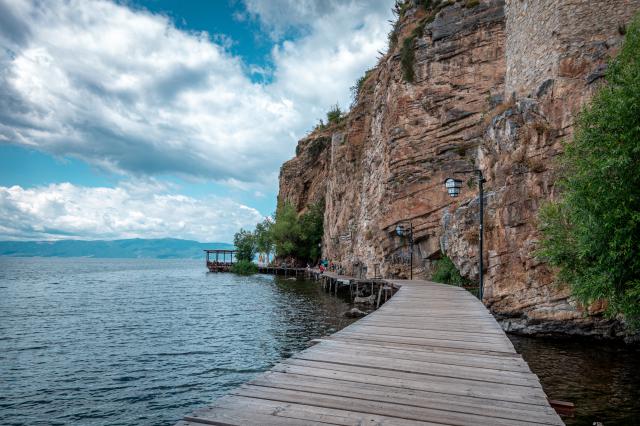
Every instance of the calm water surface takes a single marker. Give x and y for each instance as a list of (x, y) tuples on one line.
[(96, 341), (602, 379)]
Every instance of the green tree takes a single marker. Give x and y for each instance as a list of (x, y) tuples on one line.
[(245, 242), (264, 238), (311, 230), (592, 234), (285, 231), (298, 235)]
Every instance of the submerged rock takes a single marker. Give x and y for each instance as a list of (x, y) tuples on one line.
[(355, 313)]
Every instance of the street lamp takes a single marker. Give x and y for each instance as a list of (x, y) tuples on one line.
[(453, 189), (453, 186), (402, 231)]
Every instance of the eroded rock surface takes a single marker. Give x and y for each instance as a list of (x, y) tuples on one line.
[(497, 87)]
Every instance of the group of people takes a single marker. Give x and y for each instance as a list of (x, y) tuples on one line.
[(326, 265)]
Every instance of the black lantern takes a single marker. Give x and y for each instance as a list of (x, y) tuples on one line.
[(403, 231), (453, 186)]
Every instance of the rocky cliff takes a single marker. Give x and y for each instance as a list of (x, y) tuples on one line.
[(495, 86)]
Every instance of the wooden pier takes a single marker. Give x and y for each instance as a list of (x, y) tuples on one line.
[(431, 355), (220, 260)]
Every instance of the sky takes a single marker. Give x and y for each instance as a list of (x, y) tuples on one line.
[(166, 118)]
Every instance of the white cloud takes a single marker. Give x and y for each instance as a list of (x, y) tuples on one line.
[(132, 210), (129, 92), (126, 91)]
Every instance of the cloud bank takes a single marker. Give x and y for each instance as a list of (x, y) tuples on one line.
[(130, 210), (126, 90)]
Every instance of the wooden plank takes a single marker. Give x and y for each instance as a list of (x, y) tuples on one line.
[(387, 409), (505, 409), (437, 362), (423, 341), (271, 412), (449, 358), (432, 325), (463, 336), (414, 347), (450, 385)]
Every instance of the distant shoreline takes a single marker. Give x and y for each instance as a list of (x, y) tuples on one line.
[(165, 248)]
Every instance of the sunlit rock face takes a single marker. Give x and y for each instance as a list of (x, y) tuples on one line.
[(497, 87)]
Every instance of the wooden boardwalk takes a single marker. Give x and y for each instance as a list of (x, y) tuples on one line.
[(432, 355)]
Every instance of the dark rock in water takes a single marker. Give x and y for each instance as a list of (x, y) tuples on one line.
[(595, 327), (354, 313)]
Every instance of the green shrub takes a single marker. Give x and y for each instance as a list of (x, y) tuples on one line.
[(334, 115), (244, 267), (316, 146), (356, 89), (245, 243), (446, 272), (408, 59), (592, 233), (471, 3)]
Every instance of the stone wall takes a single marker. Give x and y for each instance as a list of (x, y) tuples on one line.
[(544, 35)]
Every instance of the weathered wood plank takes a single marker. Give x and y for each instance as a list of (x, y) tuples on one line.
[(259, 411), (439, 357), (450, 385), (422, 367), (388, 409), (337, 387), (425, 341)]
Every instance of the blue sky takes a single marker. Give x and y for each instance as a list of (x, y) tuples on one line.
[(165, 118)]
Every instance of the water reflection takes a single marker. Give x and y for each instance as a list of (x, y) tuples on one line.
[(601, 378)]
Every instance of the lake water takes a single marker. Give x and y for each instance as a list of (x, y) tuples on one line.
[(118, 342), (602, 379)]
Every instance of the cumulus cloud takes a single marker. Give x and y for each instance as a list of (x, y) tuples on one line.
[(126, 90), (131, 210)]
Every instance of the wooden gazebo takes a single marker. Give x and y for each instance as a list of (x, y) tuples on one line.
[(220, 260)]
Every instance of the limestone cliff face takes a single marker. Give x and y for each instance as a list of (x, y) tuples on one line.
[(497, 86)]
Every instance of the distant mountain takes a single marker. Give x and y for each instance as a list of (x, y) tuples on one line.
[(166, 248)]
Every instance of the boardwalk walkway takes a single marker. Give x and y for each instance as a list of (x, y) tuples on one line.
[(431, 355)]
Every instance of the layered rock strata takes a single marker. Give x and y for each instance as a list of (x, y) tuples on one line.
[(497, 87)]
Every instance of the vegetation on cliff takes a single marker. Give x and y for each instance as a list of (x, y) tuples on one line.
[(592, 234), (298, 236), (445, 271)]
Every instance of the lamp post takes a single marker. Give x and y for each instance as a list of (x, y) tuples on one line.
[(402, 231), (453, 187)]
